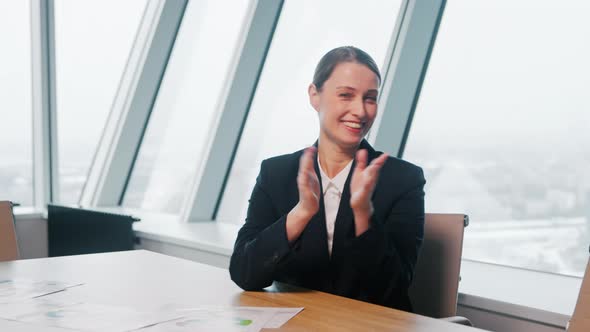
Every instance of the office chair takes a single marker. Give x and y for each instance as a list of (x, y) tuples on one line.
[(580, 321), (435, 286), (8, 242)]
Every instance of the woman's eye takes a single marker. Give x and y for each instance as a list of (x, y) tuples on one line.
[(345, 95), (371, 99)]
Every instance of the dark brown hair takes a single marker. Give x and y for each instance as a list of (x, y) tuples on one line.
[(338, 55)]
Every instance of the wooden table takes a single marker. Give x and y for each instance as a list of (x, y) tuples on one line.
[(147, 280)]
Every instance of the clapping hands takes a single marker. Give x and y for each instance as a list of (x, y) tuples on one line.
[(362, 184)]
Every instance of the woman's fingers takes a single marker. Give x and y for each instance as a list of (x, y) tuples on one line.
[(368, 175), (308, 156), (370, 172), (380, 161), (305, 165), (361, 159), (375, 166), (307, 181), (305, 159)]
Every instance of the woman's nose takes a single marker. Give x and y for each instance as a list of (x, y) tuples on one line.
[(358, 108)]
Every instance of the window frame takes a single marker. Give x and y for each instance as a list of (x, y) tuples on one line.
[(117, 151), (45, 177), (405, 74), (204, 199)]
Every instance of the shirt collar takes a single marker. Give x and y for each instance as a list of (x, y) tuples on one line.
[(338, 181)]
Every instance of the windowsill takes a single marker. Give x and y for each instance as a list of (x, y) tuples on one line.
[(27, 212), (535, 296), (209, 236)]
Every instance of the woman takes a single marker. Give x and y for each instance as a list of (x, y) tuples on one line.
[(337, 217)]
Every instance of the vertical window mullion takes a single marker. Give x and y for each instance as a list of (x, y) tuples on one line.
[(43, 96)]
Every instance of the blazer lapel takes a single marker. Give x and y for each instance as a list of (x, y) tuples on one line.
[(315, 235)]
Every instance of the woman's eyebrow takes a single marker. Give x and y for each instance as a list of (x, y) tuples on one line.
[(375, 91)]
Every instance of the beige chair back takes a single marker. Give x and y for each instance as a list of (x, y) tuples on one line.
[(435, 285), (580, 321), (8, 244)]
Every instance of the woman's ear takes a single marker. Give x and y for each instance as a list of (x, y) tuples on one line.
[(314, 97)]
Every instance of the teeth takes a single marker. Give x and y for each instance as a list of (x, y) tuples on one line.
[(352, 124)]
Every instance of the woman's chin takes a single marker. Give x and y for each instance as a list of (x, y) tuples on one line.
[(345, 140), (351, 141)]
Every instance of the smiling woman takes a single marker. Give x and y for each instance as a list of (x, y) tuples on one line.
[(337, 217), (280, 119)]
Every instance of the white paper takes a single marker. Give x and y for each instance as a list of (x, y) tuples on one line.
[(281, 316), (219, 318), (14, 310), (228, 319), (82, 316), (14, 326), (15, 290)]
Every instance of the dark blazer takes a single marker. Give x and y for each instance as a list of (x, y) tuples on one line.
[(375, 267)]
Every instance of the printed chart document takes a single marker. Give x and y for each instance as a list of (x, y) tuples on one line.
[(81, 316), (14, 290), (281, 316), (30, 302), (251, 319)]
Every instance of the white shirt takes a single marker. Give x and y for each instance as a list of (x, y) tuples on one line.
[(333, 189)]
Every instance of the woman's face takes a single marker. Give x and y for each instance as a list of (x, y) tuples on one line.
[(346, 104)]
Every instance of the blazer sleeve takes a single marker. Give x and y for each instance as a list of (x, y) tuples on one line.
[(386, 253), (262, 242)]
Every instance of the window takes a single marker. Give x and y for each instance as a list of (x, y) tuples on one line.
[(92, 43), (16, 161), (185, 111), (501, 130), (280, 118)]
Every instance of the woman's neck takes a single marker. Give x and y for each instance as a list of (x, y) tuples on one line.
[(333, 158)]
